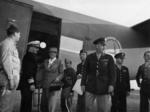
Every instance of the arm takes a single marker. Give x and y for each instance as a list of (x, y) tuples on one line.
[(84, 75), (138, 76), (6, 58), (78, 72), (60, 71), (112, 76), (112, 72), (128, 81), (29, 69)]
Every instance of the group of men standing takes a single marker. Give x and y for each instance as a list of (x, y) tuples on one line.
[(103, 81)]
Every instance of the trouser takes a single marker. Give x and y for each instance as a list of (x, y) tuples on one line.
[(81, 103), (7, 102), (49, 100), (66, 100), (103, 102), (26, 100), (119, 103), (144, 101)]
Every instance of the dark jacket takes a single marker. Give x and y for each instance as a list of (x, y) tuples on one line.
[(123, 81), (29, 70), (99, 74), (80, 69)]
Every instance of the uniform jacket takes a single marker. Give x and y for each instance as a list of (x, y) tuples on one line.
[(52, 72), (9, 63), (99, 74), (80, 69), (29, 70), (144, 74), (123, 81)]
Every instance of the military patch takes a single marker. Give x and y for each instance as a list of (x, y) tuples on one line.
[(104, 62)]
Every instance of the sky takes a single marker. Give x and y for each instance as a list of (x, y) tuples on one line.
[(123, 12)]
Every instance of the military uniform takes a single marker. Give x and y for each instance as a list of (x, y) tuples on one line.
[(9, 73), (29, 70), (144, 74), (99, 78), (27, 81), (99, 75), (122, 86), (119, 103)]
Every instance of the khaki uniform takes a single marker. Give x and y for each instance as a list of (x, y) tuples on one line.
[(144, 74), (9, 71)]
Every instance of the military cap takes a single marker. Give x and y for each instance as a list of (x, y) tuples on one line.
[(83, 51), (52, 49), (34, 43), (120, 55), (99, 40)]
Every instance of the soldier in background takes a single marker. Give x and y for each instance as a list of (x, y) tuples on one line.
[(80, 72), (122, 87), (144, 84), (27, 81), (9, 68)]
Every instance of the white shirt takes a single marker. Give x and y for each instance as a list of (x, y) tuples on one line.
[(51, 61)]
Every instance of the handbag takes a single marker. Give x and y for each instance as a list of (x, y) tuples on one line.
[(77, 87), (56, 85)]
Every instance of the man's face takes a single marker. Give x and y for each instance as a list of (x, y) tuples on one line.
[(34, 49), (52, 54), (120, 60), (147, 57), (83, 56), (100, 47), (17, 36)]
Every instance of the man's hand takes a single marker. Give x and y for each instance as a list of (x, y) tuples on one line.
[(11, 84), (110, 89), (83, 88), (32, 87), (79, 76)]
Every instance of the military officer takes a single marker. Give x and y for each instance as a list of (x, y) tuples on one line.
[(144, 84), (99, 78), (80, 72), (27, 81), (9, 68), (122, 86)]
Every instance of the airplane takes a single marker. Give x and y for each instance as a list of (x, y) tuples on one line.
[(48, 23)]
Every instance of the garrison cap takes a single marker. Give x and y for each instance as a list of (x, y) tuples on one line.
[(99, 40), (83, 51), (120, 55), (35, 43)]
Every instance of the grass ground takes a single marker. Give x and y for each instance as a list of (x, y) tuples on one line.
[(132, 102)]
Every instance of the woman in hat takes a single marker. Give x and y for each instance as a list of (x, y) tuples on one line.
[(52, 73)]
